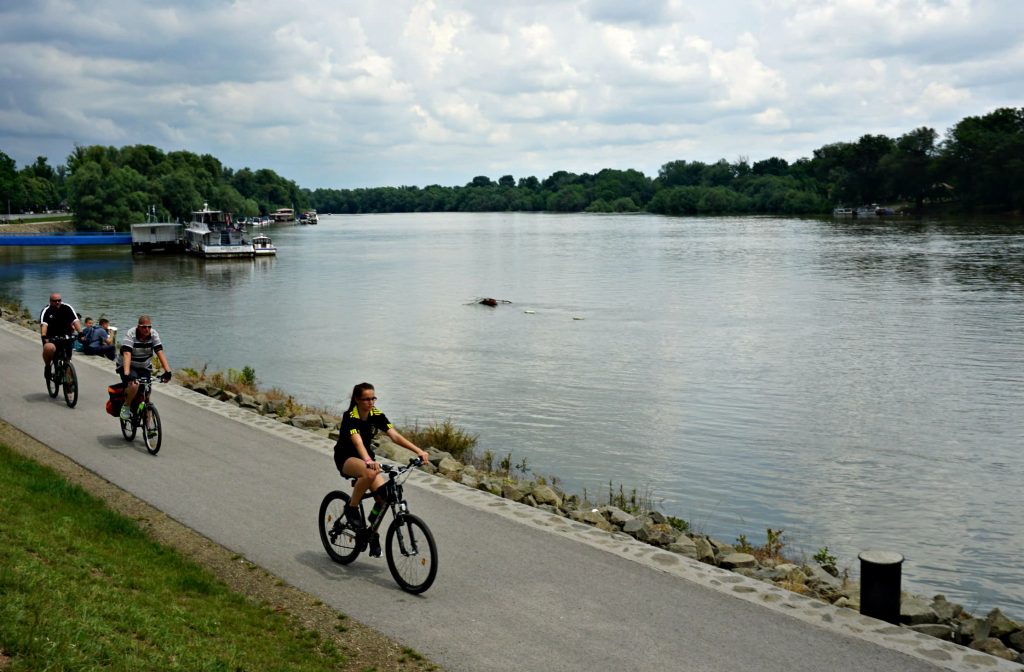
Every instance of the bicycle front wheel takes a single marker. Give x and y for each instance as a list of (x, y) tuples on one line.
[(339, 540), (53, 382), (70, 385), (128, 428), (412, 553), (152, 430)]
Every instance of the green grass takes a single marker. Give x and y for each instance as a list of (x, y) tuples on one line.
[(83, 588)]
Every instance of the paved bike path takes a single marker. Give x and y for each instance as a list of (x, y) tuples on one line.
[(516, 589)]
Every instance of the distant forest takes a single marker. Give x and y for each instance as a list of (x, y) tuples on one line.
[(977, 166)]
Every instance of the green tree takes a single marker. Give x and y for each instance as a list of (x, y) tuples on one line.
[(909, 167), (12, 192), (984, 158)]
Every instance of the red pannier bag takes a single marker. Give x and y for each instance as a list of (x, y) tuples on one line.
[(116, 400)]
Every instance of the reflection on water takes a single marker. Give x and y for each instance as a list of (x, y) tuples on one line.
[(857, 383)]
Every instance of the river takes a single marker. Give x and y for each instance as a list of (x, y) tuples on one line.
[(858, 384)]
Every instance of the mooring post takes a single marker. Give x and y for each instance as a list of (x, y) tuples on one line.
[(880, 585)]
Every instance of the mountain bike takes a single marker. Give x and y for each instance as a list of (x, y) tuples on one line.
[(409, 545), (62, 371), (145, 416)]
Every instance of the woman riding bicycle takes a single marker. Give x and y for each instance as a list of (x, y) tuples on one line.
[(354, 456)]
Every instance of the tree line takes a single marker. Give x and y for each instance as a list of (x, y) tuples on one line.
[(105, 186), (978, 165)]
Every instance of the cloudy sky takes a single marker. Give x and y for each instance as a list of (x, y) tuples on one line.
[(334, 93)]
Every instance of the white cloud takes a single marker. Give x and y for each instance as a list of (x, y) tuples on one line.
[(418, 91)]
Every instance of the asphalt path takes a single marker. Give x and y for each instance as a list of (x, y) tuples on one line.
[(516, 589)]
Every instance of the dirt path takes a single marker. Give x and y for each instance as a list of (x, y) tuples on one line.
[(366, 649)]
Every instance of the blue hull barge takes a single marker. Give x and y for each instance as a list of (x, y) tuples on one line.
[(71, 238)]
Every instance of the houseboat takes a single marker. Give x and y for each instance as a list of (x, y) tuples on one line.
[(262, 245), (211, 235), (155, 237), (283, 215)]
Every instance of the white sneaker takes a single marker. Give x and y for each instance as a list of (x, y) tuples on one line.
[(126, 413)]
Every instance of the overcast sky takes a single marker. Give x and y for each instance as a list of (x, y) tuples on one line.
[(346, 94)]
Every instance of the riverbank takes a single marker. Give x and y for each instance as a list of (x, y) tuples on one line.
[(766, 563)]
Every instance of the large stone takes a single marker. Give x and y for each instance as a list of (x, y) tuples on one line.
[(1000, 625), (616, 516), (973, 629), (938, 630), (656, 534), (737, 561), (437, 455), (817, 576), (469, 479), (657, 517), (1016, 640), (916, 611), (633, 526), (274, 406), (514, 490), (721, 548), (307, 422), (704, 551), (545, 494), (994, 647), (248, 401), (684, 545), (392, 451), (449, 468), (945, 610), (591, 517)]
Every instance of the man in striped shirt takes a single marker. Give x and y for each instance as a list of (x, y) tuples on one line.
[(139, 346)]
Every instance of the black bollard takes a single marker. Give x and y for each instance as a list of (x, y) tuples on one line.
[(880, 585)]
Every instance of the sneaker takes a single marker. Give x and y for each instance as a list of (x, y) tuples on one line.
[(151, 432), (354, 517), (126, 413), (375, 545)]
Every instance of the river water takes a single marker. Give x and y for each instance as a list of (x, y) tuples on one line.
[(859, 384)]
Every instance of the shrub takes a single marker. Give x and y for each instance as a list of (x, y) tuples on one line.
[(444, 436)]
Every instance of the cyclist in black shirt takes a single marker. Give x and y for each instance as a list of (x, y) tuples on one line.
[(56, 319), (354, 456)]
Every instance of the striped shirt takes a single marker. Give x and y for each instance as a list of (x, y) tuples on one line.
[(142, 351)]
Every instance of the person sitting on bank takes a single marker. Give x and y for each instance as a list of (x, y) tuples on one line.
[(83, 335), (100, 340)]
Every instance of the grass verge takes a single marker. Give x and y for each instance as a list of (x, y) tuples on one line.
[(85, 588)]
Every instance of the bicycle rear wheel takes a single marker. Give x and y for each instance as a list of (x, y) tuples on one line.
[(70, 385), (153, 432), (340, 541), (412, 553), (53, 382)]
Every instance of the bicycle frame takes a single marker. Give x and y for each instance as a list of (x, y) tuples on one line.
[(393, 495), (62, 371)]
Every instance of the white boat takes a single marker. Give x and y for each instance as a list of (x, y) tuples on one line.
[(283, 215), (310, 217), (842, 212), (211, 234), (262, 245)]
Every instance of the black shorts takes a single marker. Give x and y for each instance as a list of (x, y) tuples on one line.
[(342, 453)]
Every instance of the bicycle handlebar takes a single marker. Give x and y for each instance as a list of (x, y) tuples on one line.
[(398, 471)]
